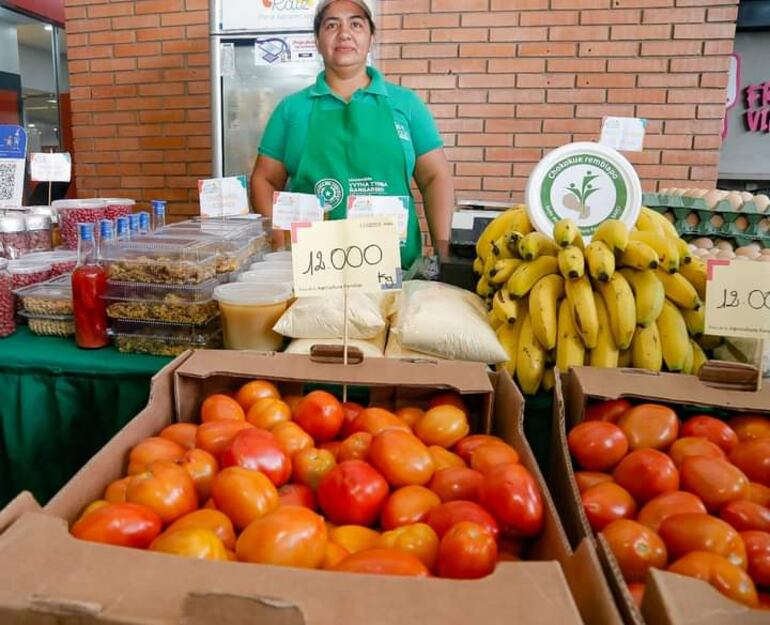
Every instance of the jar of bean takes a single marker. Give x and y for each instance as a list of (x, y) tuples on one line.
[(73, 212), (39, 232), (13, 236), (118, 207), (26, 272), (7, 305)]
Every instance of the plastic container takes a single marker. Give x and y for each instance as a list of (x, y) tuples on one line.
[(39, 233), (73, 212), (272, 265), (7, 303), (281, 255), (46, 298), (249, 311), (50, 325), (118, 207), (26, 272), (13, 236), (62, 261), (274, 276), (232, 253), (164, 339), (154, 263)]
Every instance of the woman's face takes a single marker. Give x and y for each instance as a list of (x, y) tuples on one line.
[(344, 37)]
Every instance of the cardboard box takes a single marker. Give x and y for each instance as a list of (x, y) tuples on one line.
[(47, 576), (669, 599)]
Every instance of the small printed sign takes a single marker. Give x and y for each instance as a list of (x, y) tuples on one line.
[(267, 15), (13, 154), (292, 208), (50, 166), (354, 254), (273, 50), (738, 299), (220, 197), (625, 134), (396, 206)]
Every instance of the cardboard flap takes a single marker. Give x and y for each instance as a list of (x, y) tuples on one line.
[(229, 609), (23, 502)]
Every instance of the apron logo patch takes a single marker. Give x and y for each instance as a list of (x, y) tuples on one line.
[(403, 133), (330, 190)]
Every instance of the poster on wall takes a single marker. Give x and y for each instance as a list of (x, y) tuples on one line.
[(267, 15), (13, 152)]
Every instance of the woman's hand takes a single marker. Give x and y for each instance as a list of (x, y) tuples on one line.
[(434, 179), (269, 176)]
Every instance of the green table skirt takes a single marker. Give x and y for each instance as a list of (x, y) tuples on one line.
[(59, 405)]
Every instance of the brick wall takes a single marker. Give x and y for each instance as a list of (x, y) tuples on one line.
[(506, 79)]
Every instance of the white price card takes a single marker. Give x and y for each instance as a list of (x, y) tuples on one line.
[(354, 254), (625, 134), (50, 166), (738, 299), (295, 208), (375, 205), (220, 197)]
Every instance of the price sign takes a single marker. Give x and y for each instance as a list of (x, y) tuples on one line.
[(291, 208), (347, 254), (625, 134), (738, 299), (50, 166), (371, 205), (220, 197)]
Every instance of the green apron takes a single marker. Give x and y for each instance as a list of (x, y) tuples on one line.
[(357, 151)]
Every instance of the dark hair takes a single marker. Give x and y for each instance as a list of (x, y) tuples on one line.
[(320, 18)]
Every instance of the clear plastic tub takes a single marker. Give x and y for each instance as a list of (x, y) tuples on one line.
[(232, 253), (7, 303), (264, 277), (158, 263), (13, 236), (39, 233), (26, 272), (249, 311), (272, 265), (118, 207), (46, 298), (50, 325), (164, 339), (73, 212), (62, 261), (281, 255)]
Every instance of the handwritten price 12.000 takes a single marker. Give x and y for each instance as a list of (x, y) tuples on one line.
[(756, 299)]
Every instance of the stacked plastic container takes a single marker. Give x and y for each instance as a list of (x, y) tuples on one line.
[(47, 306)]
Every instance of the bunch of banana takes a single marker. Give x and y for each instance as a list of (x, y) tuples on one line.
[(630, 298)]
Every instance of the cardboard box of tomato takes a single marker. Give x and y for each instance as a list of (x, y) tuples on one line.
[(658, 482), (46, 573)]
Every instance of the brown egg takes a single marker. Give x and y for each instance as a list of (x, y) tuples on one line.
[(746, 196), (703, 242), (692, 219), (717, 221), (670, 216), (724, 245), (712, 197), (735, 200), (741, 223), (761, 201)]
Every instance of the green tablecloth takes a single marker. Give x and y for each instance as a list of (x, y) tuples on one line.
[(59, 405)]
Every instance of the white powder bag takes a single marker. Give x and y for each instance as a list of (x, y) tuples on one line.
[(371, 348)]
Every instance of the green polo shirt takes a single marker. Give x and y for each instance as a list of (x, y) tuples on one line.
[(286, 130)]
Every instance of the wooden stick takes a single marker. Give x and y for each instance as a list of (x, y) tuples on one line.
[(345, 339)]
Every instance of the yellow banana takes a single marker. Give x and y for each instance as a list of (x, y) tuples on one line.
[(647, 223), (673, 337), (512, 219), (505, 245), (679, 290), (570, 350), (614, 233), (543, 300), (621, 308), (566, 232), (489, 265), (478, 266), (508, 335), (483, 288), (638, 255), (648, 294), (528, 273), (695, 272), (530, 359), (685, 255), (646, 348), (698, 357), (571, 262), (549, 379), (689, 360), (605, 354), (506, 309), (664, 224), (502, 270), (493, 319), (625, 358), (536, 244), (695, 320), (666, 248), (583, 309), (601, 260)]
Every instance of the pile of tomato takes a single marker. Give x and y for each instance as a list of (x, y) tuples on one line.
[(308, 481), (692, 497)]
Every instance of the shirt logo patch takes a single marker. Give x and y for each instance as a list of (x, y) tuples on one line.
[(330, 192), (403, 133)]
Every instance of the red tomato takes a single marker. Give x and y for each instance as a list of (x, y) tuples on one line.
[(151, 449), (635, 547), (321, 415), (730, 580), (587, 479), (636, 590), (609, 410), (181, 433), (122, 524), (694, 446), (455, 483), (646, 473), (293, 402), (355, 447), (243, 495), (486, 457), (597, 445), (258, 450), (443, 458), (290, 536), (466, 551), (466, 446), (401, 458), (753, 458), (213, 520), (116, 490), (97, 503), (333, 447), (511, 494), (350, 411), (607, 502), (199, 543), (764, 600), (202, 467), (419, 539), (166, 488), (376, 420), (352, 492), (383, 562), (746, 515), (758, 554), (710, 428), (750, 427), (649, 426), (759, 493), (355, 538), (268, 412), (448, 398), (408, 505), (715, 481), (214, 436), (445, 515), (443, 425), (296, 495), (655, 511), (312, 465), (220, 407), (255, 390), (292, 438), (410, 415), (688, 532)]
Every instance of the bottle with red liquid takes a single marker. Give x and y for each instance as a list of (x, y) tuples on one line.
[(89, 281)]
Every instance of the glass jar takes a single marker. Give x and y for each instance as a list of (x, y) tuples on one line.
[(7, 304), (13, 236), (39, 233)]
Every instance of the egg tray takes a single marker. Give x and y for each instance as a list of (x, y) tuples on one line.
[(660, 202), (743, 227)]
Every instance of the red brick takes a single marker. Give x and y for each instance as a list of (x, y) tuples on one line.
[(188, 17), (161, 116), (604, 110), (547, 49), (407, 36), (91, 52), (161, 62), (139, 130), (706, 142), (674, 16), (660, 171), (112, 9), (93, 105), (522, 96), (487, 81), (465, 154), (138, 49), (180, 47), (438, 6), (108, 37), (135, 22), (521, 5), (540, 140), (79, 80), (428, 50), (609, 48), (186, 74), (697, 96), (106, 145), (544, 110), (638, 65), (605, 80), (655, 31), (147, 156), (672, 48), (580, 4), (578, 33), (706, 64), (75, 13), (122, 91), (483, 169), (484, 139), (112, 65), (690, 157), (577, 65), (591, 126), (430, 81), (77, 67), (158, 6), (160, 34), (667, 111), (198, 115), (444, 110), (75, 41), (512, 154), (459, 34), (516, 66), (485, 110), (704, 31), (580, 95), (512, 125), (693, 126), (722, 14), (431, 20), (669, 142), (455, 66), (725, 46), (612, 16), (636, 96), (458, 96), (668, 80), (555, 81), (199, 87), (713, 80), (710, 111), (487, 50), (87, 26), (621, 4), (460, 125), (547, 18), (189, 129)]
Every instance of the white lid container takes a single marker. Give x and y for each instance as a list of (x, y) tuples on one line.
[(248, 313), (284, 255)]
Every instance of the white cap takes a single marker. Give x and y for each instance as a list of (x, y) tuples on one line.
[(362, 3)]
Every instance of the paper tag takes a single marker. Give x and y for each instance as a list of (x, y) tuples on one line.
[(291, 208), (624, 134), (360, 254), (274, 49), (227, 59), (50, 166), (13, 153), (223, 196), (738, 299), (374, 205)]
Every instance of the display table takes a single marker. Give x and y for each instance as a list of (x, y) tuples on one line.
[(59, 405)]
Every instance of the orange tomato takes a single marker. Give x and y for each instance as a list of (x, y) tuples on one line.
[(636, 590), (465, 447), (419, 539), (712, 429), (759, 493), (321, 415), (243, 495), (209, 505), (202, 467), (753, 458), (212, 520), (383, 562), (219, 407), (694, 446), (181, 433), (214, 436), (657, 510), (443, 458), (354, 538), (252, 391), (94, 505), (116, 490), (609, 410), (646, 473), (355, 447), (297, 495), (455, 483), (410, 415), (587, 479), (121, 524), (292, 438), (258, 450), (750, 427), (442, 517), (715, 481), (191, 542), (448, 398), (730, 580), (758, 554), (649, 426), (268, 412), (290, 536), (635, 547), (312, 465), (292, 401), (443, 425), (333, 555), (376, 420), (408, 505), (688, 532), (467, 551), (164, 487), (512, 495), (746, 515), (401, 458), (351, 410), (597, 445), (607, 502), (486, 457), (151, 449), (333, 447)]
